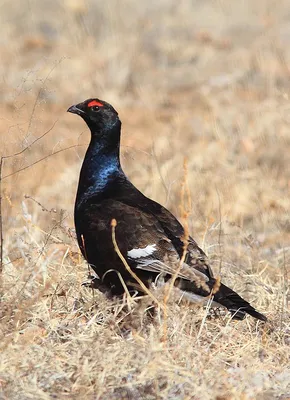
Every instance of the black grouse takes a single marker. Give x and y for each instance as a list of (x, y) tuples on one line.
[(148, 235)]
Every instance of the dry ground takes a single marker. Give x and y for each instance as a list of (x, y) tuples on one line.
[(203, 80)]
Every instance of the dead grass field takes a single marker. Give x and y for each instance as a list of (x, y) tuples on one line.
[(202, 80)]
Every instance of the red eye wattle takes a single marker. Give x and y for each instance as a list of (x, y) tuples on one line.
[(95, 103)]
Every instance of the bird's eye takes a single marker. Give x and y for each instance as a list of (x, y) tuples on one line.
[(95, 108)]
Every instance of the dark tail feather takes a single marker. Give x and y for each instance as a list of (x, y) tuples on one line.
[(235, 304)]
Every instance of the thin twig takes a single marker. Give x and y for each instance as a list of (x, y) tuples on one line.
[(42, 250), (1, 167), (220, 232), (52, 210), (31, 144), (160, 173), (1, 225), (185, 239), (185, 212), (38, 95), (132, 273), (41, 159)]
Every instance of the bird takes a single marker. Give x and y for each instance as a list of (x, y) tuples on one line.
[(148, 236)]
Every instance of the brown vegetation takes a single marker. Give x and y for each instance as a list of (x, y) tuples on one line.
[(202, 80)]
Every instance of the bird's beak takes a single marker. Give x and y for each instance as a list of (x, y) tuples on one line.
[(76, 110)]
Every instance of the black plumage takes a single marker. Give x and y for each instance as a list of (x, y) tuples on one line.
[(148, 235)]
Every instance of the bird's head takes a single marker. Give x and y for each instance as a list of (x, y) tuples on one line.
[(99, 115)]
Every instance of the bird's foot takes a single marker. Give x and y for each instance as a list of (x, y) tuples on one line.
[(94, 282)]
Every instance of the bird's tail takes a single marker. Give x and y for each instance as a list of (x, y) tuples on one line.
[(237, 306)]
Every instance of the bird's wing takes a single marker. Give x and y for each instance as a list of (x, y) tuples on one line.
[(195, 257), (140, 238)]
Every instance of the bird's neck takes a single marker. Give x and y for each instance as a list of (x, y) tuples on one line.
[(101, 164)]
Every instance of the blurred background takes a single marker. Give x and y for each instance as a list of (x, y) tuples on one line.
[(206, 81)]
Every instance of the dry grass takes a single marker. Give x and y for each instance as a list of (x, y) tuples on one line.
[(205, 80)]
